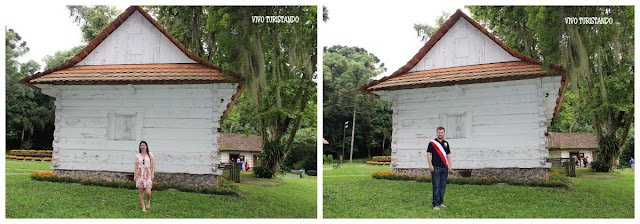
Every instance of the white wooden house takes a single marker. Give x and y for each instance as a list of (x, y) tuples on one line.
[(247, 148), (567, 145), (495, 104), (136, 82)]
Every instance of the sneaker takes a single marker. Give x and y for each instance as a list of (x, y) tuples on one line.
[(436, 208), (443, 206)]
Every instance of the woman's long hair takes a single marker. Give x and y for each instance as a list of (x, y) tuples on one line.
[(140, 149)]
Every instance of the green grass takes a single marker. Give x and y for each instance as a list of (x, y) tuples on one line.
[(283, 197), (591, 195), (15, 166)]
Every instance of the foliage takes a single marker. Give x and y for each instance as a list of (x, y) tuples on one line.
[(328, 159), (92, 19), (425, 31), (599, 166), (598, 59), (607, 152), (628, 150), (60, 57), (224, 187), (345, 70), (553, 180), (261, 172), (303, 153), (570, 118), (27, 111)]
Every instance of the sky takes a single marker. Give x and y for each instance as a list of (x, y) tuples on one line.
[(53, 31), (386, 30)]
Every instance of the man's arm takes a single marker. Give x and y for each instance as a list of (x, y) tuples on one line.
[(449, 160), (429, 159)]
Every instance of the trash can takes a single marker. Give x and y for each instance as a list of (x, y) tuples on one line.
[(301, 173)]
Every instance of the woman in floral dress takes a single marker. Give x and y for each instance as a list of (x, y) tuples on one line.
[(143, 176)]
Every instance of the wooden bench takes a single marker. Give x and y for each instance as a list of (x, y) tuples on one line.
[(312, 172)]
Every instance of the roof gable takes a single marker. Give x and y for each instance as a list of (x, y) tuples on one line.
[(573, 140), (239, 142), (213, 71), (111, 28), (462, 45), (135, 41), (413, 67)]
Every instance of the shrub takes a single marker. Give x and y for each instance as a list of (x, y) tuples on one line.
[(555, 179), (598, 166), (224, 187), (260, 172)]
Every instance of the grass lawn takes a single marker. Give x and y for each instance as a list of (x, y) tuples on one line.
[(351, 192), (284, 197)]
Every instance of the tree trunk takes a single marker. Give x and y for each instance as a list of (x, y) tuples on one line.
[(296, 124), (384, 139), (623, 138), (22, 138), (353, 130)]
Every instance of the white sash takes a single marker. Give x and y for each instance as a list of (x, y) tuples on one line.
[(441, 152)]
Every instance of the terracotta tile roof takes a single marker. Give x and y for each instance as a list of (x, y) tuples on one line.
[(239, 142), (413, 81), (233, 77), (463, 75), (573, 140), (103, 74)]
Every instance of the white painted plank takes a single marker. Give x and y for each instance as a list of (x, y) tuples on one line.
[(125, 162), (462, 45), (153, 112), (187, 123), (156, 145), (136, 41)]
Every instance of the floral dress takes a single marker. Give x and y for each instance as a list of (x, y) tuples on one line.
[(143, 174)]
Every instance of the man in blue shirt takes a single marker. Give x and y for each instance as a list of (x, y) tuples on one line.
[(633, 166), (439, 157)]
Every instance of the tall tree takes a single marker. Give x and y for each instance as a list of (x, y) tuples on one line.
[(26, 109), (598, 58), (425, 31), (345, 70), (277, 60), (60, 57), (92, 19)]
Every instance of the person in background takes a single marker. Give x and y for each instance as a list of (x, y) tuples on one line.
[(585, 161)]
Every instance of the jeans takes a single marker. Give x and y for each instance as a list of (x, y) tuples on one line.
[(439, 183)]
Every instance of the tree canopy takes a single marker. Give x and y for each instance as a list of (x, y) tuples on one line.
[(27, 110), (598, 59), (345, 70)]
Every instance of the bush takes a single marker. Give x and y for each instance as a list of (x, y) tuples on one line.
[(260, 172), (598, 166), (224, 187), (554, 179)]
